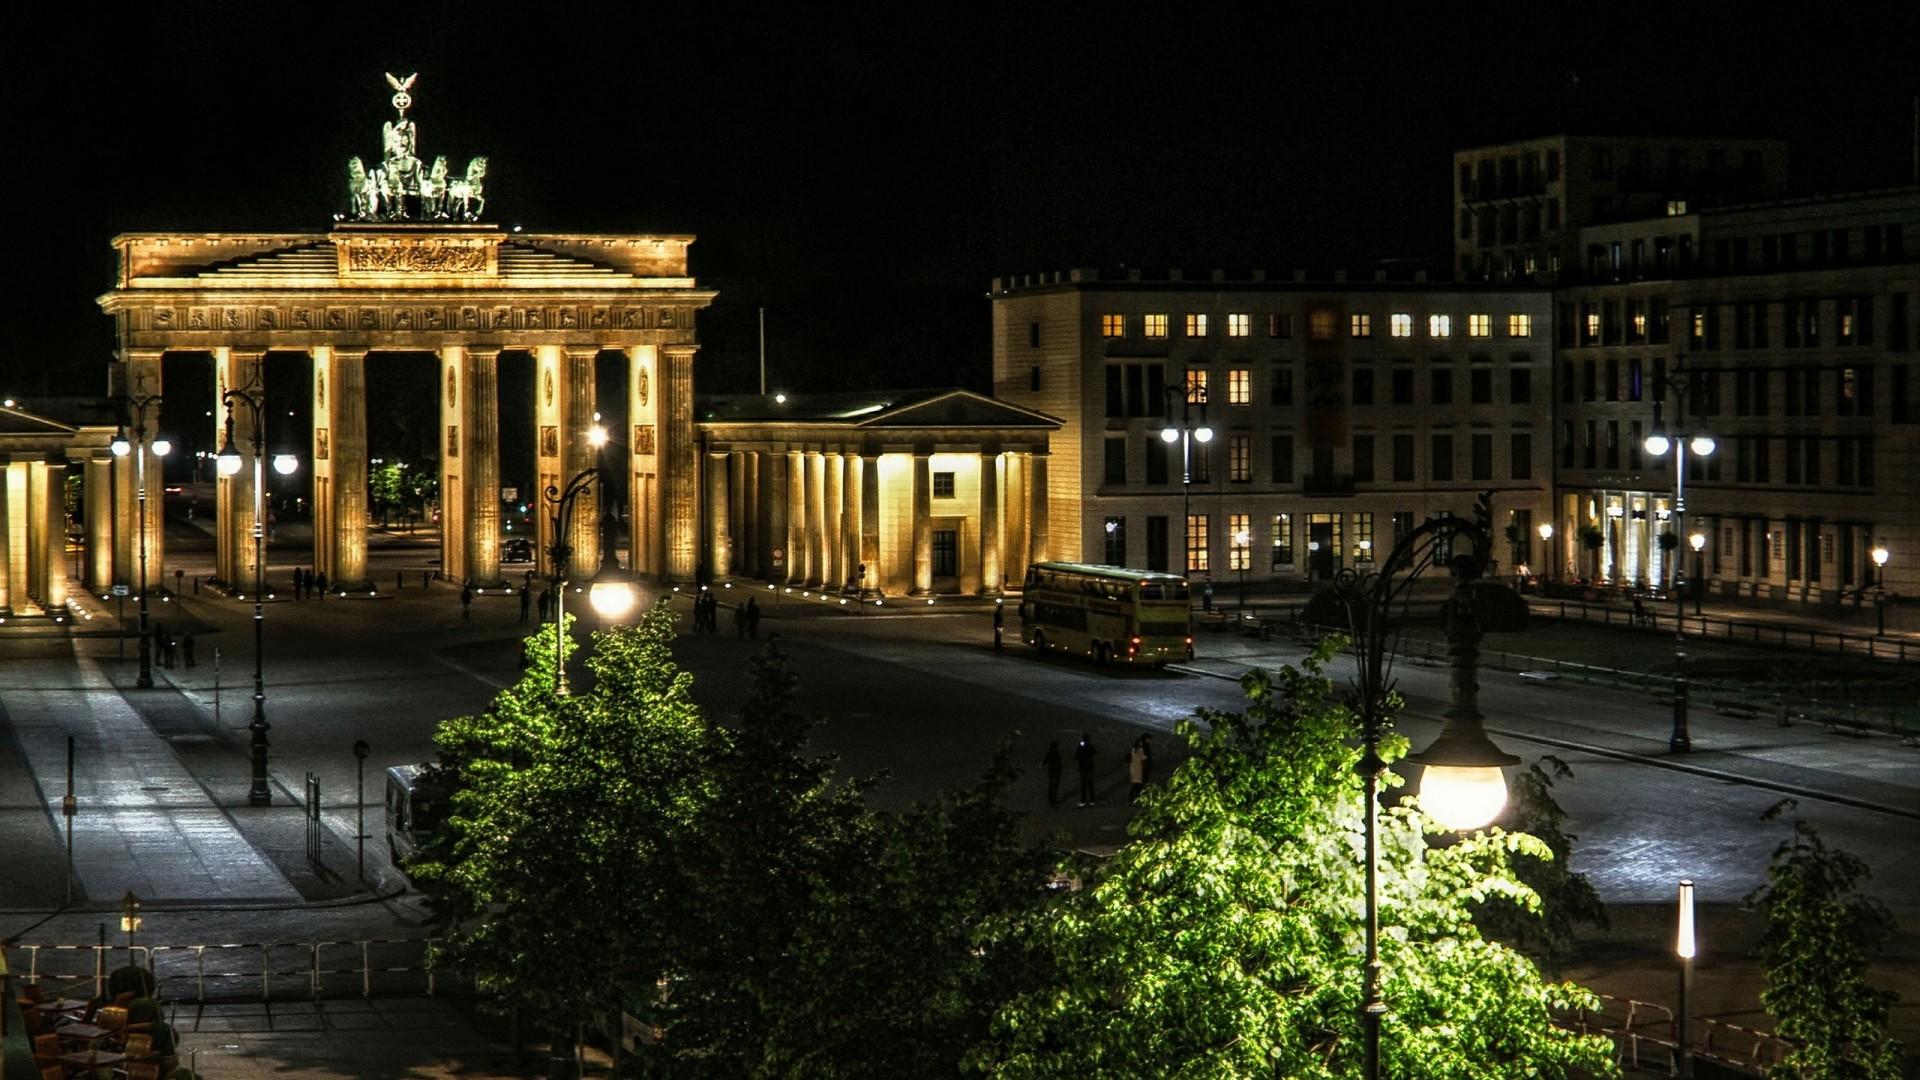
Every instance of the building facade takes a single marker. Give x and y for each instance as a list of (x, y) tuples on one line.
[(1784, 331), (1341, 413), (37, 453)]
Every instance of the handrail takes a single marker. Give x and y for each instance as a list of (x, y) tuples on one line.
[(317, 962)]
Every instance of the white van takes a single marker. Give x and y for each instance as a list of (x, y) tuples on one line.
[(414, 810)]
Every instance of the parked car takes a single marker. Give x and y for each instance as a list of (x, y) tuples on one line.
[(518, 549)]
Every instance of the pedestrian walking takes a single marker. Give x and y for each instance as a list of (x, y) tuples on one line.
[(546, 605), (317, 585), (296, 583), (739, 622), (1206, 596), (186, 649), (1083, 761), (466, 602), (399, 580), (1146, 758), (713, 613), (1051, 761), (753, 618), (1136, 770), (178, 576), (167, 654), (426, 578), (999, 624), (1639, 612), (526, 604)]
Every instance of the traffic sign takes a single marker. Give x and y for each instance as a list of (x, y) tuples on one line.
[(121, 590)]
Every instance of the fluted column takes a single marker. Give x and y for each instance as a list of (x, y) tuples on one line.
[(340, 478), (233, 548), (739, 516), (35, 512), (143, 380), (481, 424), (683, 488), (98, 485), (834, 573), (580, 456), (1014, 555), (922, 523), (815, 480), (850, 499), (754, 515), (718, 498), (989, 523), (648, 554), (773, 510), (9, 580), (870, 521), (1037, 495), (796, 517), (53, 590), (453, 484)]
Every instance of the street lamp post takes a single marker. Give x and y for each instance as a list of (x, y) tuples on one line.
[(1683, 946), (1462, 786), (611, 593), (1698, 541), (1880, 556), (254, 397), (1186, 434), (1658, 444), (121, 447), (1243, 544), (1546, 548)]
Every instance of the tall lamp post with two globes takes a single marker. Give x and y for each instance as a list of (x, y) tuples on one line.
[(1461, 786), (139, 446), (1186, 433), (611, 593), (1660, 444), (254, 397)]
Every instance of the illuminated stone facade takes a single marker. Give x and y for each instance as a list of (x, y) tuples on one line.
[(462, 293), (916, 492), (36, 454)]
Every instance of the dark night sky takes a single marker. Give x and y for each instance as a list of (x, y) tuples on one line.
[(863, 171)]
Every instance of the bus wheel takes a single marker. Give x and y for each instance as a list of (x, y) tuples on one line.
[(1040, 641), (1100, 655)]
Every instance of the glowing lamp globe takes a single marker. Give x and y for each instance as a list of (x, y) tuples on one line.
[(1658, 445), (1203, 433), (229, 461), (596, 436), (161, 447), (120, 446), (612, 600), (1698, 541), (1463, 798), (1880, 556), (1546, 531), (1169, 435), (285, 464), (1702, 445)]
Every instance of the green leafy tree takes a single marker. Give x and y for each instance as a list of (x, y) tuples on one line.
[(1821, 934), (563, 857), (1566, 897), (1226, 939)]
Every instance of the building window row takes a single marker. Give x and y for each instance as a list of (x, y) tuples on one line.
[(1320, 322)]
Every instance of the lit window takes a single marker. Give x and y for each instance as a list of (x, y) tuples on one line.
[(1360, 325), (1519, 326), (1363, 537), (1479, 324), (1239, 324), (1197, 386), (1156, 325), (1676, 207), (1320, 325), (1240, 532), (943, 485), (1439, 326), (1402, 323), (1239, 387), (1282, 540), (1113, 326), (1197, 561), (1240, 459), (1593, 324), (1699, 324), (1196, 324)]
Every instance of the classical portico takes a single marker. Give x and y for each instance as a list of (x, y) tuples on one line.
[(901, 493), (463, 293), (36, 454)]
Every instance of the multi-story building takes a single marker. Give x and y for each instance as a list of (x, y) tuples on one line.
[(1342, 412), (1785, 331), (1518, 207)]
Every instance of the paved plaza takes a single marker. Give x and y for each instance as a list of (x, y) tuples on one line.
[(919, 695)]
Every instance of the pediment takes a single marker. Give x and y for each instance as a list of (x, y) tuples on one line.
[(961, 409)]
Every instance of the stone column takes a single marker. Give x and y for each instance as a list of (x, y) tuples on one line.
[(816, 550), (683, 487), (755, 510), (99, 494), (718, 498), (143, 380), (34, 510), (644, 506), (340, 403), (1037, 495), (850, 498), (480, 426), (989, 523), (834, 573), (922, 523), (53, 563), (234, 548), (549, 442), (773, 504), (578, 397), (1018, 514), (870, 520), (796, 517), (8, 581), (739, 516), (453, 486)]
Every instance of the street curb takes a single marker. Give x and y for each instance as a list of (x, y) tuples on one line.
[(1645, 759), (370, 897)]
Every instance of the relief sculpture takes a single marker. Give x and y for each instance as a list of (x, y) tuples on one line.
[(416, 259)]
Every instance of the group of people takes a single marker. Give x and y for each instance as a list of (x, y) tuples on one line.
[(308, 585), (1139, 768), (167, 651), (706, 615)]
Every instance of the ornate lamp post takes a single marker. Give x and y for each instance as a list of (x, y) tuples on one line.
[(1683, 947), (254, 397), (1880, 556), (1546, 548), (161, 448), (130, 918), (1658, 444), (611, 593), (1186, 434), (1243, 552), (1698, 542), (1462, 785)]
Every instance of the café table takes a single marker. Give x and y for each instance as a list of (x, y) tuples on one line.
[(83, 1032), (93, 1060), (61, 1005)]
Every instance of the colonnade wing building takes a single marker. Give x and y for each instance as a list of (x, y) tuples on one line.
[(462, 293), (34, 451)]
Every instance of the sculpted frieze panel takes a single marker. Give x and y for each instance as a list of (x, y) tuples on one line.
[(304, 319), (336, 318), (197, 318), (567, 317), (369, 318), (267, 318), (162, 318), (416, 259), (534, 319), (502, 319), (469, 318), (232, 319), (402, 319), (432, 319), (597, 318), (629, 318)]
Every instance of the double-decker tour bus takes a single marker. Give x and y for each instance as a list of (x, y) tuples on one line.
[(1107, 613)]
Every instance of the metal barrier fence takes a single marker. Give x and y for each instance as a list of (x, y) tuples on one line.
[(306, 970), (1644, 1038), (1659, 616)]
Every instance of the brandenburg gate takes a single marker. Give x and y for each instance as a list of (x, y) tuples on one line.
[(412, 270)]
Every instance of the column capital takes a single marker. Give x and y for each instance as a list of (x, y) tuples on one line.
[(575, 351)]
